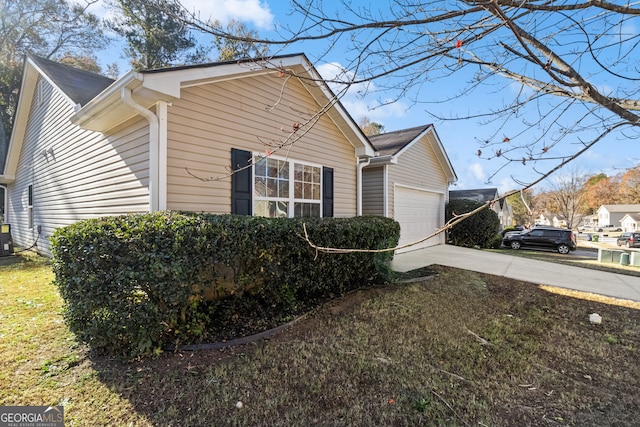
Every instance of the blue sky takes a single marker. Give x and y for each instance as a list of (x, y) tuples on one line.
[(458, 137)]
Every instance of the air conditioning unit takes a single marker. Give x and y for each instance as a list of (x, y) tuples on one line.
[(6, 242)]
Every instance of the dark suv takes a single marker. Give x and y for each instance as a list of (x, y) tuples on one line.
[(629, 239), (560, 239)]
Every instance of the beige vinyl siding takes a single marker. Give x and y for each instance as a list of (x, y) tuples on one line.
[(75, 173), (373, 191), (248, 114), (418, 168)]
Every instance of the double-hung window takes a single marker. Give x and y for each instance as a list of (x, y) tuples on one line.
[(286, 188), (279, 187)]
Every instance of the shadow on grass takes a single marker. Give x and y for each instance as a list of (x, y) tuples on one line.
[(462, 348)]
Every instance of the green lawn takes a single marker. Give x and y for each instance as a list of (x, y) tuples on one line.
[(458, 349)]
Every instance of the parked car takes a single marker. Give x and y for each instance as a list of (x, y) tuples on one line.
[(629, 239), (609, 227), (512, 229), (560, 239), (585, 228)]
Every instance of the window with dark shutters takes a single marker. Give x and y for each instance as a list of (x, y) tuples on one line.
[(279, 187)]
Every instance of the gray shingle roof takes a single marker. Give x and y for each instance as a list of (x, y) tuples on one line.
[(79, 85), (390, 143), (479, 194)]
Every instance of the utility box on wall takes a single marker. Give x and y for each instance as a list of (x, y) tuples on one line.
[(6, 243)]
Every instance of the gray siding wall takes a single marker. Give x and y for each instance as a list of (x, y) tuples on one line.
[(373, 191), (75, 173)]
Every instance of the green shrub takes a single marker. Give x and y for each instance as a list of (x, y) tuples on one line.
[(478, 230), (137, 283)]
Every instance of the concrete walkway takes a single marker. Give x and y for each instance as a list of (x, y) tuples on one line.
[(534, 271)]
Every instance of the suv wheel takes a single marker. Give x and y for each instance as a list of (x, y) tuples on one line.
[(515, 245), (563, 249)]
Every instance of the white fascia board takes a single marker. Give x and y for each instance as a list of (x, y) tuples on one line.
[(27, 91), (172, 81)]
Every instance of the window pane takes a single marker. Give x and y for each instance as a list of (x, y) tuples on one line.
[(316, 175), (283, 188), (272, 168), (261, 167), (306, 210), (272, 187), (260, 187), (307, 192), (283, 170), (298, 172), (261, 208), (270, 209), (279, 209), (297, 190), (316, 191)]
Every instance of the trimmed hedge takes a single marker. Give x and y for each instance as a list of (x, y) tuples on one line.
[(480, 229), (135, 284)]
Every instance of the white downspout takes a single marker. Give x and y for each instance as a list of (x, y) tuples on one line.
[(154, 173), (361, 165)]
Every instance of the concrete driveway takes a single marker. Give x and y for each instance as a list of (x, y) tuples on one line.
[(534, 271)]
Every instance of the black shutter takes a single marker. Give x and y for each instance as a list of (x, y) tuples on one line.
[(241, 182), (327, 192)]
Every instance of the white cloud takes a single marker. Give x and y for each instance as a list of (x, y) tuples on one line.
[(476, 171), (254, 11), (355, 99)]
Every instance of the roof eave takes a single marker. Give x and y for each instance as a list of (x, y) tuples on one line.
[(27, 89)]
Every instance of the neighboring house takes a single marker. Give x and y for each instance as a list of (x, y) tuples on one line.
[(85, 146), (550, 219), (559, 221), (613, 214), (408, 180), (544, 219), (630, 222), (589, 221), (485, 195)]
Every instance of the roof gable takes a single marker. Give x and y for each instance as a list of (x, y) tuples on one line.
[(78, 85), (391, 145), (633, 216), (620, 208)]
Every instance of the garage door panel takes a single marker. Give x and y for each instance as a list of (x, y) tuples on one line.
[(419, 213)]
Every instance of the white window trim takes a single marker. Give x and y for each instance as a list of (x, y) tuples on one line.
[(291, 200)]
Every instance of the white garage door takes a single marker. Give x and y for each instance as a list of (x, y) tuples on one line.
[(419, 213)]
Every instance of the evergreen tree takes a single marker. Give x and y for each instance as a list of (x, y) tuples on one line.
[(156, 35)]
